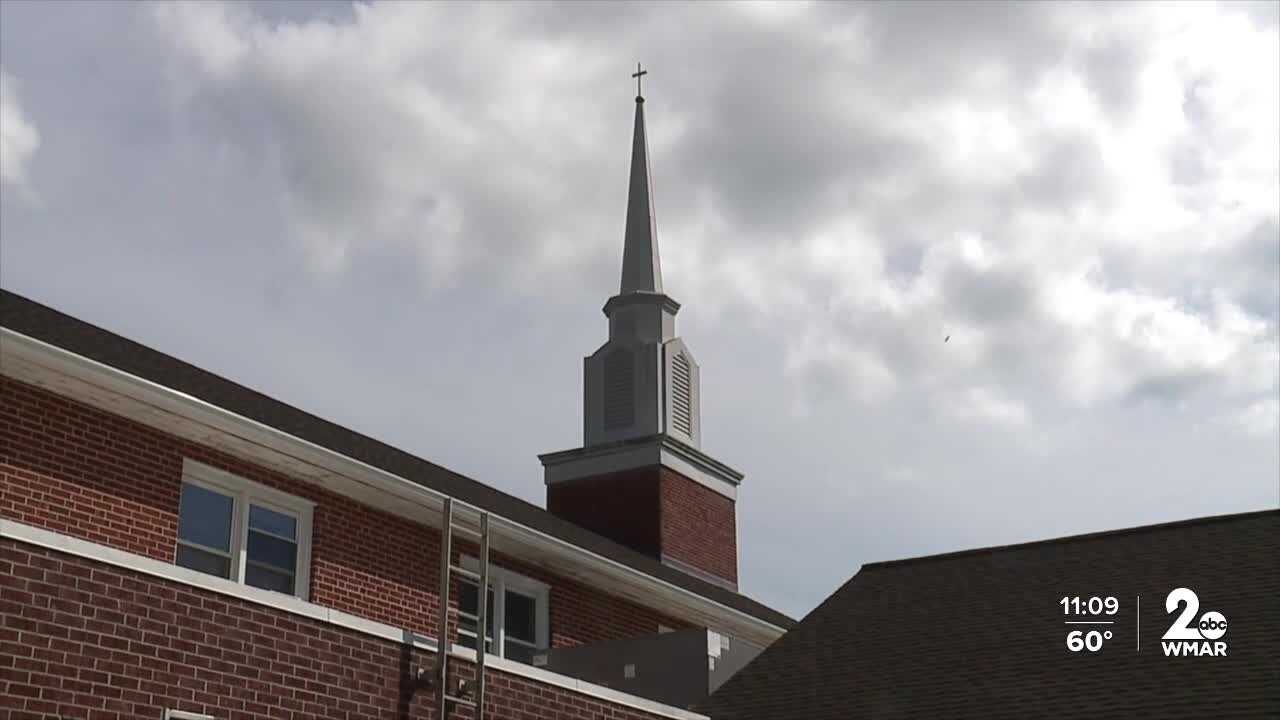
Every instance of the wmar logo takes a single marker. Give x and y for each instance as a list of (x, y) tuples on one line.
[(1199, 639)]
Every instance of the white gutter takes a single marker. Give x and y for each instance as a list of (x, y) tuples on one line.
[(721, 617)]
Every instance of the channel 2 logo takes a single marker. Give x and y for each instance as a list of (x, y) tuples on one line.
[(1191, 638)]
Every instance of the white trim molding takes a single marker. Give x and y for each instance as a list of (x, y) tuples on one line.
[(663, 450), (12, 530), (87, 381)]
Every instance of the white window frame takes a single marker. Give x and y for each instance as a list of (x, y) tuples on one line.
[(243, 492), (501, 580)]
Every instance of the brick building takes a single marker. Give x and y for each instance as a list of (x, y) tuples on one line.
[(176, 545)]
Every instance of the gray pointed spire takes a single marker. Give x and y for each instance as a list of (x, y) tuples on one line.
[(641, 271)]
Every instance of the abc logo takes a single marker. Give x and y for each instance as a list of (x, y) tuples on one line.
[(1212, 625)]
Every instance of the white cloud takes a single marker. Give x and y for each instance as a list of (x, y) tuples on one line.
[(1261, 418), (987, 406), (19, 138), (1073, 216)]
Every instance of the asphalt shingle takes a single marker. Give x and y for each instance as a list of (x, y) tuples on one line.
[(982, 634)]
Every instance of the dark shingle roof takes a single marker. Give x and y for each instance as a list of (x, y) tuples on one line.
[(37, 321), (982, 633)]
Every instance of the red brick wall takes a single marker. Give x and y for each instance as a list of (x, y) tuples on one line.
[(74, 469), (656, 511), (624, 507), (84, 640), (699, 526)]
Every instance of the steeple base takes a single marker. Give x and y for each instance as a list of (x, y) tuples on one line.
[(657, 496)]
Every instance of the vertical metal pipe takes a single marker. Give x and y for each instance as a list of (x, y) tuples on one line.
[(442, 638), (482, 622)]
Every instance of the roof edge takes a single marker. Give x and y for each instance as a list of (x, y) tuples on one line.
[(1083, 537), (35, 321)]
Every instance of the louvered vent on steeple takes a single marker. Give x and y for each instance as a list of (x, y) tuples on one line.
[(619, 389), (681, 395)]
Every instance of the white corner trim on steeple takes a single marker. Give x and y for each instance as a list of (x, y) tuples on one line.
[(652, 451)]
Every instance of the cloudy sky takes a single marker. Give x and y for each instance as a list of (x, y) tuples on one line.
[(406, 217)]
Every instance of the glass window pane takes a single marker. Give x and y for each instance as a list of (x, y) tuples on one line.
[(204, 517), (276, 523), (470, 641), (261, 577), (467, 592), (520, 652), (272, 551), (521, 617), (205, 562)]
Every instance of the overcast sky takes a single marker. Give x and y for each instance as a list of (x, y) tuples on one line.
[(406, 217)]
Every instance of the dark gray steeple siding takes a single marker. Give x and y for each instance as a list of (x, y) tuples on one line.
[(641, 268)]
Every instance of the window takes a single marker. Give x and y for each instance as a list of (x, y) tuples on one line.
[(517, 612), (243, 531)]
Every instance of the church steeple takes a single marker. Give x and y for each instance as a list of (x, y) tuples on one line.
[(644, 381), (641, 269), (641, 477)]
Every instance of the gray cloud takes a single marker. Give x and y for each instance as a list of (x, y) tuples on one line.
[(925, 47), (1071, 170), (1258, 257), (1263, 12)]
